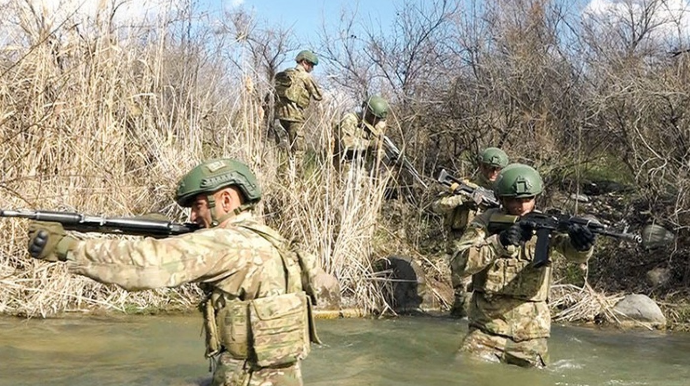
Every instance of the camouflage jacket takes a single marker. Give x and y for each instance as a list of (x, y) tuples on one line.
[(458, 211), (230, 257), (510, 295), (306, 89), (357, 138)]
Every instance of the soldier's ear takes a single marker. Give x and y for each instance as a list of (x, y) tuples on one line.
[(228, 199), (236, 197)]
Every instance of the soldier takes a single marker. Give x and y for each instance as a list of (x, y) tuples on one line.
[(359, 134), (509, 318), (458, 211), (294, 90), (256, 314)]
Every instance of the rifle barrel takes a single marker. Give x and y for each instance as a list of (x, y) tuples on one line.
[(406, 163), (43, 215), (135, 226), (625, 236)]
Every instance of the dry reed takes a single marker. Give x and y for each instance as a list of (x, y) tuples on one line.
[(570, 303), (106, 122)]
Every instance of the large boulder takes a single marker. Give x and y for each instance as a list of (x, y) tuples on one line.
[(406, 287), (639, 311)]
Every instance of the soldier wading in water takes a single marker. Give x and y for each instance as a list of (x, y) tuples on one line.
[(458, 211), (509, 318), (256, 314)]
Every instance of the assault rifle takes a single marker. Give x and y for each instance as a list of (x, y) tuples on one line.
[(546, 223), (395, 155), (135, 226), (480, 196)]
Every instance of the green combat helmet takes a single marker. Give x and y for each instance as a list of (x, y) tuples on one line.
[(377, 106), (494, 156), (308, 56), (212, 175), (519, 181)]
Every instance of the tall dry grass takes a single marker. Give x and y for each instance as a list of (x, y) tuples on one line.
[(105, 122)]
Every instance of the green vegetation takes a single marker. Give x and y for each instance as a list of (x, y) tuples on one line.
[(607, 168)]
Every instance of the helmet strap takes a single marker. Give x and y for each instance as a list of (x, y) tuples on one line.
[(212, 208), (217, 220)]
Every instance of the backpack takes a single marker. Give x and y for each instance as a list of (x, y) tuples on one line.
[(288, 87)]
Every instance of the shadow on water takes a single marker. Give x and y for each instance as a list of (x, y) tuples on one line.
[(167, 350)]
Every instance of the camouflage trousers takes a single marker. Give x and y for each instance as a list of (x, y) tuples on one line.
[(496, 348), (295, 131), (462, 286), (238, 372), (462, 292)]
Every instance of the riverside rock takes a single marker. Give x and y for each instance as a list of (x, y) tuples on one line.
[(638, 310)]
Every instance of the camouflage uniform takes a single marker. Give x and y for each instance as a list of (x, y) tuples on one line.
[(457, 213), (291, 112), (237, 263), (358, 142), (509, 315)]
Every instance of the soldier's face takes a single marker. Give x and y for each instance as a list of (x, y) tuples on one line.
[(518, 206), (227, 200), (371, 118), (201, 214), (489, 172), (309, 67)]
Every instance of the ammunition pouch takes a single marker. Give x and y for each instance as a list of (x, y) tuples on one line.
[(460, 219), (280, 329), (274, 331), (233, 328)]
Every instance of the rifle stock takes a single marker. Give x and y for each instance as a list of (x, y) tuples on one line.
[(134, 226)]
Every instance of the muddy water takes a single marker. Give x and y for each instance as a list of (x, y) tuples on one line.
[(168, 350)]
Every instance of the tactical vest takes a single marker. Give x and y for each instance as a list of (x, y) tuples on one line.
[(270, 331), (515, 277)]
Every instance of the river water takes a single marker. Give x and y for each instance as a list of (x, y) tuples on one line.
[(168, 350)]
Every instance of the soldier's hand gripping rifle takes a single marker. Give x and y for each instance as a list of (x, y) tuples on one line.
[(480, 196), (395, 155), (135, 226), (544, 224)]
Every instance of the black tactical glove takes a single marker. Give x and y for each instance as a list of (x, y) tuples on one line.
[(581, 238), (47, 241), (515, 235)]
